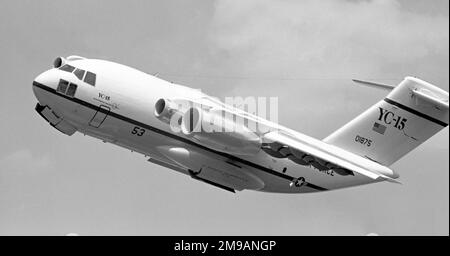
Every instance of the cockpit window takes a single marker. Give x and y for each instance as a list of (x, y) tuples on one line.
[(72, 89), (67, 68), (90, 78), (79, 73), (62, 86)]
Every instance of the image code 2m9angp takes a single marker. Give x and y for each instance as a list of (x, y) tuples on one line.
[(216, 247)]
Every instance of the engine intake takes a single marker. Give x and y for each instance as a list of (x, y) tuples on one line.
[(58, 62), (165, 111)]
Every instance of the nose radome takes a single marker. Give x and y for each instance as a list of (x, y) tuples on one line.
[(44, 81), (46, 78)]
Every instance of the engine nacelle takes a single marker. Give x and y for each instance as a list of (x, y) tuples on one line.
[(214, 130), (59, 61), (168, 112)]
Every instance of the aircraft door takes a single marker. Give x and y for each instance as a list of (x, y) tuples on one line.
[(100, 116)]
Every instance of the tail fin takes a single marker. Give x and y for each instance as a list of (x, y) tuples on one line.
[(412, 113)]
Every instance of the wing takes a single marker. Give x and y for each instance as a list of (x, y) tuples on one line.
[(305, 150)]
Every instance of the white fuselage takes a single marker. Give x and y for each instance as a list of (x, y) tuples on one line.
[(120, 109)]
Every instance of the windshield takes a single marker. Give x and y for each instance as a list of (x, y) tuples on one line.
[(67, 68), (89, 78)]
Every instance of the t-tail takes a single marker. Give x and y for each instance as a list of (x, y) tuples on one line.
[(411, 114)]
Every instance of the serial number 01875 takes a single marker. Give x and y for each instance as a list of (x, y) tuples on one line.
[(364, 141)]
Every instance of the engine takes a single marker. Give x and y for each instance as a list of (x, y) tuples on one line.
[(59, 61), (168, 112), (215, 130)]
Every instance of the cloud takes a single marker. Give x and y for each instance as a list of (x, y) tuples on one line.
[(324, 39), (24, 161), (302, 51)]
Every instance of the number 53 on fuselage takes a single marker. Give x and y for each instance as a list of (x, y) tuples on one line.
[(159, 119)]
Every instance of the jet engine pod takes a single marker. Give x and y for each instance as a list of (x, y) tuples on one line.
[(59, 61), (214, 130), (168, 112)]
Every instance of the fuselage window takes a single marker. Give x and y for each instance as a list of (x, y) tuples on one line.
[(62, 86), (79, 73), (67, 68), (90, 78), (72, 89)]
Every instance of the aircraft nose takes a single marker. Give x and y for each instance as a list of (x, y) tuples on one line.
[(45, 81), (45, 78)]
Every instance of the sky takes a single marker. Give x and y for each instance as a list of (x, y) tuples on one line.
[(303, 52)]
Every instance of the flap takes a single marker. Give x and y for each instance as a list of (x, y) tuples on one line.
[(334, 155)]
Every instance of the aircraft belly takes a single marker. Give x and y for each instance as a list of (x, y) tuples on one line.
[(213, 167)]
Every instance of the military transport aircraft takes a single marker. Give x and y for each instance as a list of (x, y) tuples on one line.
[(159, 119)]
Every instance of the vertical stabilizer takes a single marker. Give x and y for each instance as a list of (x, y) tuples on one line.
[(412, 113)]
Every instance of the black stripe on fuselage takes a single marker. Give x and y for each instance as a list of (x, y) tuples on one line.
[(173, 136), (415, 112)]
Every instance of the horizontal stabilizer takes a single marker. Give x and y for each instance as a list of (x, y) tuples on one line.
[(425, 96), (373, 84)]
